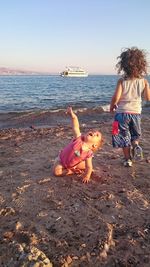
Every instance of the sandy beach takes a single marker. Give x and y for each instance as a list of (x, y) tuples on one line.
[(61, 222)]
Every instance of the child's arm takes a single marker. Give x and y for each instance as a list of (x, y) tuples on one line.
[(116, 97), (88, 170), (75, 122), (147, 91)]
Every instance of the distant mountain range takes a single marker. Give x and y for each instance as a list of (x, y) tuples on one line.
[(9, 71)]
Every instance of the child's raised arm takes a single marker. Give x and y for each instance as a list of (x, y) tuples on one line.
[(75, 122)]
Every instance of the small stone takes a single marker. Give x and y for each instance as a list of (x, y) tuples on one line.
[(8, 235), (69, 259), (83, 245), (75, 258), (93, 253), (18, 225)]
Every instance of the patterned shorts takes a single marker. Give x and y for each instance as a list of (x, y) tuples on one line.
[(125, 129)]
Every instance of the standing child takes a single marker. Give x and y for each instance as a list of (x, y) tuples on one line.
[(77, 155), (127, 102)]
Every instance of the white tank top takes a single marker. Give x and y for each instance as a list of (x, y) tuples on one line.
[(131, 98)]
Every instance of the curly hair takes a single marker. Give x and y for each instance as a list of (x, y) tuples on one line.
[(132, 62)]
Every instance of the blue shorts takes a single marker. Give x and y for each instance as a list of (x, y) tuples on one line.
[(125, 129)]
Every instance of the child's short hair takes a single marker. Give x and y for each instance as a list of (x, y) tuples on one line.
[(132, 62)]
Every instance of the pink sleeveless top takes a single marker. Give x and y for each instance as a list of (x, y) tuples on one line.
[(73, 154)]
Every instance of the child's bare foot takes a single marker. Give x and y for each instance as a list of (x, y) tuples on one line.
[(68, 172), (74, 171), (78, 171)]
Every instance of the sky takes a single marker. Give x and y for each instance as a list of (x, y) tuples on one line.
[(48, 35)]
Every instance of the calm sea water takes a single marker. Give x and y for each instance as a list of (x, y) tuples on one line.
[(26, 93)]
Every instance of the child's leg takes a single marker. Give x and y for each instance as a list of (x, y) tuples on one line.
[(80, 165), (121, 134), (135, 131), (134, 144), (127, 152), (79, 168), (58, 169)]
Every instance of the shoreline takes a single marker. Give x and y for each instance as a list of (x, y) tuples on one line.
[(44, 118), (49, 118)]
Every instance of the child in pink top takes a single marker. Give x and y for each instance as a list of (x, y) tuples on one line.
[(77, 155)]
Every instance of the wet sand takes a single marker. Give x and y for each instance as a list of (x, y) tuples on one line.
[(60, 222)]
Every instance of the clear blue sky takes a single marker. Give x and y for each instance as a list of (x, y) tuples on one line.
[(47, 35)]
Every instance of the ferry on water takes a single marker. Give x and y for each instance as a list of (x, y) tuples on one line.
[(74, 72)]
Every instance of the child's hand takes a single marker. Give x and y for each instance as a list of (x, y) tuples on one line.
[(75, 122), (70, 112), (86, 179), (113, 108)]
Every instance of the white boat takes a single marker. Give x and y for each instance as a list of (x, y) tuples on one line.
[(74, 72)]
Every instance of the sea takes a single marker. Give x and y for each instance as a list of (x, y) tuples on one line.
[(38, 93)]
